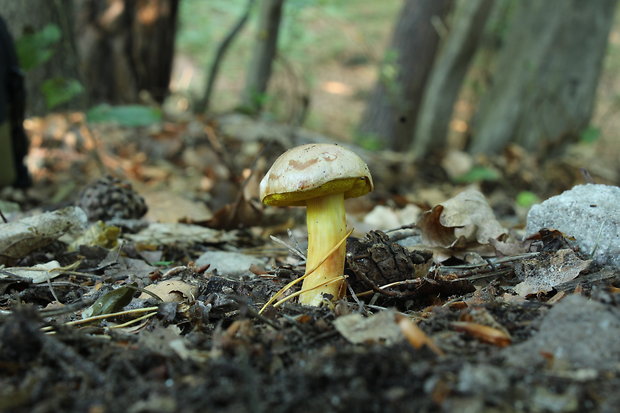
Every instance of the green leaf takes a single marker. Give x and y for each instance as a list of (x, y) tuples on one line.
[(478, 174), (590, 134), (60, 90), (125, 115), (112, 301), (527, 199), (163, 263), (37, 48)]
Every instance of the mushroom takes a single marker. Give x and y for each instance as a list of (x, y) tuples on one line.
[(319, 177)]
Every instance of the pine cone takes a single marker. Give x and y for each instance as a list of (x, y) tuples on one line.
[(111, 198), (375, 261)]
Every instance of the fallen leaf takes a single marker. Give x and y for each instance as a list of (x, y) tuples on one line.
[(167, 207), (380, 327), (384, 218), (18, 239), (176, 233), (111, 302), (239, 214), (171, 291), (416, 337), (484, 333), (542, 273), (229, 262), (460, 221), (39, 273)]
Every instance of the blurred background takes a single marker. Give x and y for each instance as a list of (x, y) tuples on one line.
[(520, 94)]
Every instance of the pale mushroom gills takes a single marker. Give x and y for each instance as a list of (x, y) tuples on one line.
[(320, 177)]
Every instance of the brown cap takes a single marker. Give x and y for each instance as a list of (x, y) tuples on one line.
[(310, 171)]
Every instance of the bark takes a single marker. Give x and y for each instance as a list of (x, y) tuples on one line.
[(447, 76), (126, 47), (265, 49), (27, 17), (393, 108), (545, 81)]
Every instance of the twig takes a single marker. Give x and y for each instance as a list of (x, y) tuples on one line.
[(103, 316), (135, 320), (292, 249), (305, 290), (355, 298), (203, 105), (49, 284)]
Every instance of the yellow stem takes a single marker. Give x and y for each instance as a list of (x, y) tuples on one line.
[(327, 225), (309, 271)]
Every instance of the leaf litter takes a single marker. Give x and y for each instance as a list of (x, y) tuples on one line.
[(135, 318)]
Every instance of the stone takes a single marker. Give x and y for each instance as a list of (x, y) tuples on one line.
[(576, 333), (590, 213)]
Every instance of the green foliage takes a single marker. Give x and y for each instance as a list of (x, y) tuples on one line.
[(590, 135), (60, 90), (125, 115), (369, 141), (478, 174), (526, 199), (163, 263), (388, 76), (37, 48)]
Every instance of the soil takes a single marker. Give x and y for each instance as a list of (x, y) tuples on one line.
[(216, 353)]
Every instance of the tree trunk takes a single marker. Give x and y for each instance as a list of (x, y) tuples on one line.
[(265, 49), (393, 108), (447, 76), (126, 47), (28, 17), (545, 81)]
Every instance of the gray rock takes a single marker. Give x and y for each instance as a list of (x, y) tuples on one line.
[(589, 213), (482, 379), (229, 263), (578, 333)]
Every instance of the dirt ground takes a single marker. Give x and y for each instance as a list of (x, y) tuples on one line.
[(458, 339)]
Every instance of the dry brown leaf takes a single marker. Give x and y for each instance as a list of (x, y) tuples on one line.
[(239, 214), (460, 221), (508, 248), (172, 291), (484, 333), (167, 207), (416, 337), (544, 272)]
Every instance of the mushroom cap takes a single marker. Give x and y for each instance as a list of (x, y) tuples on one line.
[(314, 170)]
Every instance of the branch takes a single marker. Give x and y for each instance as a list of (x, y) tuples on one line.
[(203, 104)]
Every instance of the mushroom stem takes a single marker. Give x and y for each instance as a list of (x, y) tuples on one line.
[(327, 225)]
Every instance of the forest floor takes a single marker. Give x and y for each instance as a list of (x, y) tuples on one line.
[(84, 336)]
